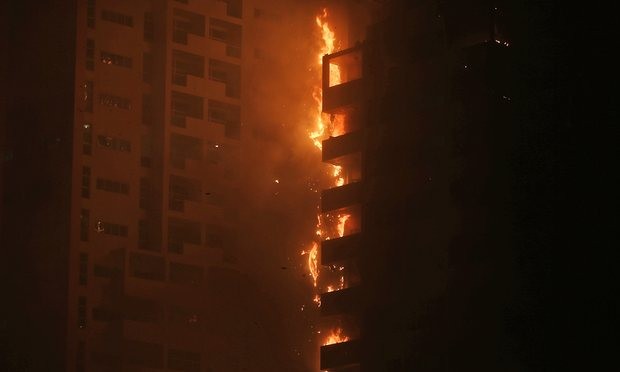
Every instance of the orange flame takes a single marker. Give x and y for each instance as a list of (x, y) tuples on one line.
[(342, 220), (335, 337), (323, 123)]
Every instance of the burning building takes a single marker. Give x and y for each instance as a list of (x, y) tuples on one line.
[(426, 134)]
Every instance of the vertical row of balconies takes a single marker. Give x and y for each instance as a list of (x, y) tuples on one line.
[(343, 95)]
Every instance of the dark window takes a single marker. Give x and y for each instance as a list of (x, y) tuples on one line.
[(86, 182), (90, 54), (112, 228), (147, 109), (233, 8), (182, 360), (185, 274), (87, 96), (87, 139), (227, 114), (143, 235), (147, 68), (184, 147), (114, 101), (228, 33), (186, 105), (182, 189), (112, 186), (84, 224), (116, 59), (149, 27), (114, 143), (227, 73), (147, 266), (83, 272), (115, 17), (181, 231), (185, 23), (147, 151), (186, 64), (82, 312), (90, 14), (144, 193)]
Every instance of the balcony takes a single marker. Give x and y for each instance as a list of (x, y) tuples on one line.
[(336, 147), (342, 80), (344, 301), (340, 249), (345, 354), (341, 197)]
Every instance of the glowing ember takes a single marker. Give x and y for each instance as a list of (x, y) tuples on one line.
[(335, 337), (317, 300)]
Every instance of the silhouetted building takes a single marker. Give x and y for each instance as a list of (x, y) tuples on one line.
[(428, 151)]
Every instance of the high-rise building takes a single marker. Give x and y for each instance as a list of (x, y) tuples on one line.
[(120, 186)]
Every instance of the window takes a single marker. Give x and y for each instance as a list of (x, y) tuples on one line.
[(181, 231), (183, 360), (119, 18), (83, 272), (184, 147), (228, 115), (214, 237), (109, 228), (114, 101), (186, 64), (112, 186), (88, 91), (228, 33), (186, 105), (87, 139), (185, 23), (147, 152), (182, 189), (233, 8), (227, 73), (86, 182), (147, 109), (149, 27), (90, 14), (116, 59), (146, 266), (82, 312), (114, 143), (144, 192), (84, 224), (143, 235), (147, 68), (90, 54), (185, 274)]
